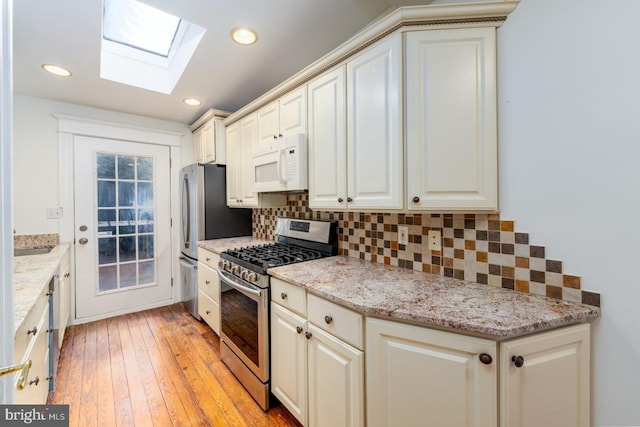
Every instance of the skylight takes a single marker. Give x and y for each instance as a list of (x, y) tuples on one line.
[(145, 47), (140, 26)]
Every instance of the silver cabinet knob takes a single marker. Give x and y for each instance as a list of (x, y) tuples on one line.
[(83, 241)]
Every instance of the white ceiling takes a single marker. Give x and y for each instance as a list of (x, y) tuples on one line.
[(292, 34)]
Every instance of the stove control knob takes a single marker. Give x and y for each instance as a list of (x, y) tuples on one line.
[(244, 273), (253, 277), (235, 269)]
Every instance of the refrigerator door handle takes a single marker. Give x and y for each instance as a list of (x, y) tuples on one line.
[(186, 210), (185, 262)]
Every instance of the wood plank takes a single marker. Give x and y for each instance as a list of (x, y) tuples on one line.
[(106, 405), (155, 401), (137, 395), (118, 373), (89, 401), (124, 413), (73, 396)]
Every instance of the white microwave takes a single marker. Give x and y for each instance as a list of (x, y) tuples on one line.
[(284, 168)]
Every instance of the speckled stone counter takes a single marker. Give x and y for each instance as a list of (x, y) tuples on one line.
[(431, 300), (220, 245), (31, 274)]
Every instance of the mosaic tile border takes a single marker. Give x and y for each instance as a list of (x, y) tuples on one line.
[(475, 247)]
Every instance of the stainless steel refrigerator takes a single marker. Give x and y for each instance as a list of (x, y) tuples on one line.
[(204, 216)]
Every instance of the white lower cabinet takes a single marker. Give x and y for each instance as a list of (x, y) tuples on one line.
[(423, 377), (209, 289), (551, 387), (317, 376)]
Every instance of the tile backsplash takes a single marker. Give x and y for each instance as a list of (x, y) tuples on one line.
[(481, 248)]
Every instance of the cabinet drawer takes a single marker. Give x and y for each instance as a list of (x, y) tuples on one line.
[(37, 386), (209, 258), (209, 282), (209, 310), (290, 296), (339, 321), (23, 338)]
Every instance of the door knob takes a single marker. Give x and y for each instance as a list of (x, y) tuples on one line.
[(83, 228), (83, 241)]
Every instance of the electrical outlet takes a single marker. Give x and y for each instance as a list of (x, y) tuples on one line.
[(403, 235), (435, 240)]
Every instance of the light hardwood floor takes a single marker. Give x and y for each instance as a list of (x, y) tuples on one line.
[(158, 367)]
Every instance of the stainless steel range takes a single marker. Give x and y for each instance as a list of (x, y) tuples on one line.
[(244, 301)]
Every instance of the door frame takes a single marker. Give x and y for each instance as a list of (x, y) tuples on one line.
[(68, 128), (6, 198)]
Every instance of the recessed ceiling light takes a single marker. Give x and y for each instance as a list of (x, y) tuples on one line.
[(192, 102), (56, 70), (244, 36)]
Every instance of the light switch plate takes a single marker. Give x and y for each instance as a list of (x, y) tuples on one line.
[(403, 235), (435, 240), (54, 213)]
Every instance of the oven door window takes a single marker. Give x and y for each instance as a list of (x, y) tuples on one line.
[(240, 322)]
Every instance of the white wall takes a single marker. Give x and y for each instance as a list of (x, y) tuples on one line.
[(36, 155), (569, 136)]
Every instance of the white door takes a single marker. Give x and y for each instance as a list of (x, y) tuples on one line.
[(122, 227)]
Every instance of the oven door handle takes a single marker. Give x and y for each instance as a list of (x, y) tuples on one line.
[(239, 287)]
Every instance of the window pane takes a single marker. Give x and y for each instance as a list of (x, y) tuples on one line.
[(126, 193), (138, 25), (127, 248), (145, 194), (108, 278), (107, 251), (145, 247), (127, 275), (147, 272), (106, 165), (106, 194), (145, 168), (127, 221), (126, 167), (106, 222), (145, 221)]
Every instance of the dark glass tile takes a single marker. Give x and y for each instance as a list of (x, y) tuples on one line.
[(380, 251), (458, 233), (469, 224), (494, 269), (494, 247), (494, 236), (508, 272), (482, 278), (408, 264), (482, 235), (522, 238), (536, 251), (408, 220), (435, 260), (417, 239), (508, 249), (448, 272), (401, 263), (508, 283), (458, 274), (394, 253), (554, 266), (417, 257), (458, 253), (554, 292), (537, 276), (394, 228), (591, 298), (494, 225), (447, 222)]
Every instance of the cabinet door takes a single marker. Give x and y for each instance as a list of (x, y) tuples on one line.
[(293, 112), (248, 136), (374, 123), (208, 143), (198, 149), (289, 361), (234, 165), (268, 127), (451, 120), (552, 386), (336, 381), (328, 141), (64, 297), (423, 377)]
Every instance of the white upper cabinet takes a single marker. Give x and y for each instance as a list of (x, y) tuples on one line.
[(286, 116), (451, 120), (355, 132), (209, 138), (374, 126), (328, 140), (234, 165)]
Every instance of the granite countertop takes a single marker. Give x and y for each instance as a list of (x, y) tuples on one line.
[(431, 300), (31, 274), (221, 245)]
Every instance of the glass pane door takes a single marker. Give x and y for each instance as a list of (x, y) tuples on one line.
[(125, 213)]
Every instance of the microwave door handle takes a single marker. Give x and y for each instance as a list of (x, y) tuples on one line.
[(283, 178)]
